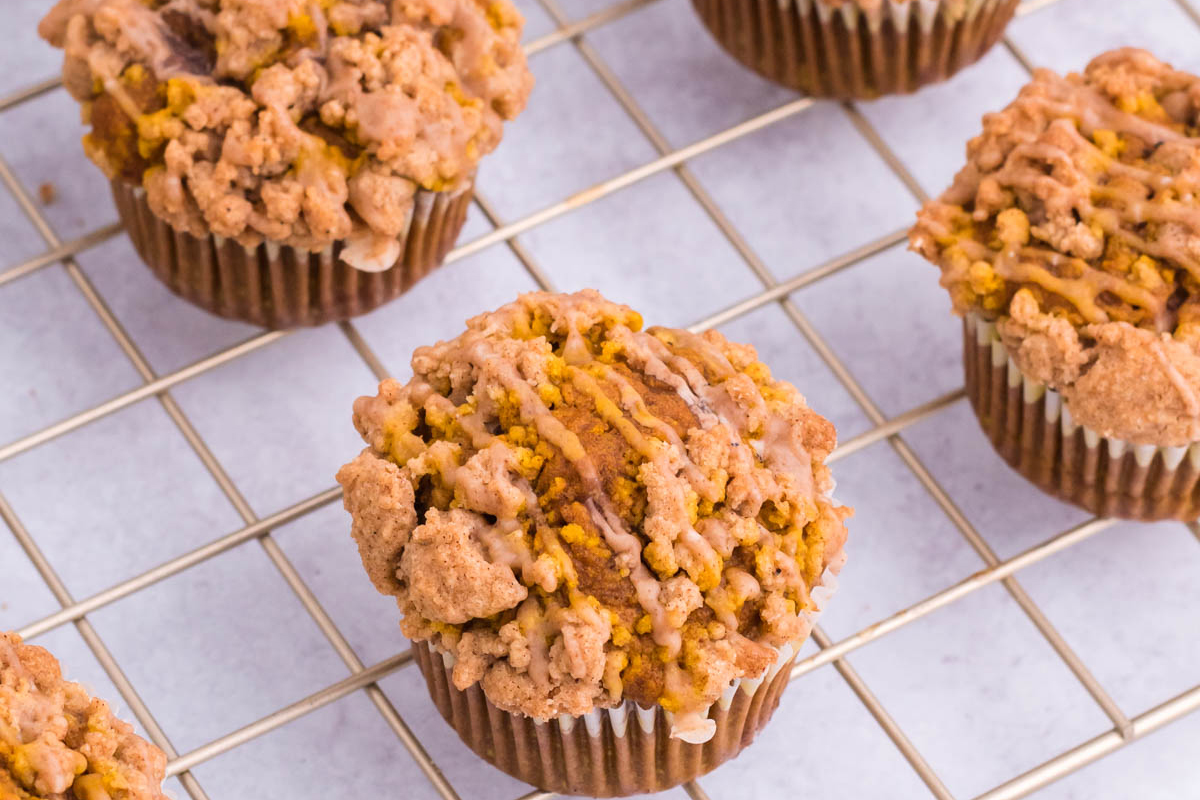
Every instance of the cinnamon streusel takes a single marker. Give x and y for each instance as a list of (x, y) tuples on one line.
[(310, 125), (577, 514), (1071, 241)]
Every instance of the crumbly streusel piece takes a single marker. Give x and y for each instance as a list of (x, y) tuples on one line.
[(1075, 226), (584, 512), (56, 743)]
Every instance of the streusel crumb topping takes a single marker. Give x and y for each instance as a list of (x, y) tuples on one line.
[(1075, 226), (56, 743), (583, 512), (302, 122)]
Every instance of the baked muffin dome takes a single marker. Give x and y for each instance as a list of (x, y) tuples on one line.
[(1075, 228), (56, 743), (298, 122), (581, 512)]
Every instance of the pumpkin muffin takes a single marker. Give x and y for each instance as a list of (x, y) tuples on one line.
[(291, 162), (856, 48), (607, 543), (1071, 245), (56, 743)]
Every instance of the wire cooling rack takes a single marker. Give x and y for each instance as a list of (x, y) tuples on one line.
[(363, 677)]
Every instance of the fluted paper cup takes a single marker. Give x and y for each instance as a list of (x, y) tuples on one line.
[(1032, 429), (285, 287), (851, 52), (611, 752)]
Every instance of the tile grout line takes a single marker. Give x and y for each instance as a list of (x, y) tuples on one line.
[(274, 553), (752, 260), (100, 650)]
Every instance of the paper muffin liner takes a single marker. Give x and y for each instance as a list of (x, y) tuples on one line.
[(851, 52), (278, 286), (1031, 428), (615, 752)]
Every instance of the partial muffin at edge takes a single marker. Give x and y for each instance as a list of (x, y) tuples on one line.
[(57, 743)]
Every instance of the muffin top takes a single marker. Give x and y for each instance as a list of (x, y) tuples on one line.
[(582, 512), (1075, 226), (56, 743), (301, 122)]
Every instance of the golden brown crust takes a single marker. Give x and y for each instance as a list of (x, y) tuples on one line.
[(1075, 226), (595, 513), (301, 122), (56, 743)]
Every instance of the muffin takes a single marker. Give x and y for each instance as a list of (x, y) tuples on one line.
[(1070, 244), (284, 162), (56, 743), (606, 543), (856, 48)]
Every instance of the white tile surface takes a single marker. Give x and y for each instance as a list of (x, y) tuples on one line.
[(620, 243), (892, 564), (975, 686), (593, 139), (73, 493), (30, 60), (807, 750), (795, 223), (1010, 513), (979, 692), (679, 75), (929, 131), (218, 646), (143, 304), (1068, 34), (368, 619), (83, 201), (900, 359), (294, 395), (53, 370), (344, 750), (24, 596), (1128, 601), (1148, 768)]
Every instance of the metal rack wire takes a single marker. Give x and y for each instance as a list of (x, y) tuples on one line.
[(364, 678)]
